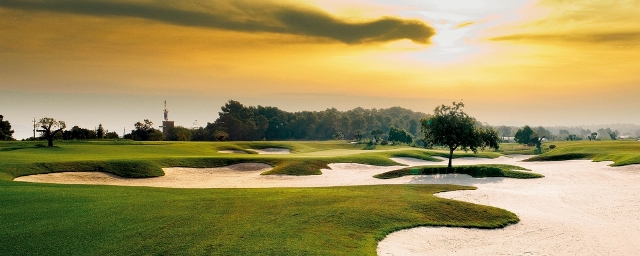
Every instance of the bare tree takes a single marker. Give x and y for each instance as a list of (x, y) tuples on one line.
[(51, 127)]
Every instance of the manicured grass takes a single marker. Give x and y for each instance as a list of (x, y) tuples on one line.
[(620, 152), (516, 149), (145, 159), (476, 171), (48, 219)]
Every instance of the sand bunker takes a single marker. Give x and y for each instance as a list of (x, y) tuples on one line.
[(232, 152), (272, 151), (173, 178), (579, 208), (245, 175)]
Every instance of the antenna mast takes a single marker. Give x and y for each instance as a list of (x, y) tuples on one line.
[(166, 112)]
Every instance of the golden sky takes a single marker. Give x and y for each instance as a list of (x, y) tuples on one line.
[(553, 62)]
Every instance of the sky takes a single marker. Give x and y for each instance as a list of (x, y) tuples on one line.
[(512, 62)]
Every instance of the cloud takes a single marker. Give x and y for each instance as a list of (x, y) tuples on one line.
[(605, 37), (245, 17), (465, 24)]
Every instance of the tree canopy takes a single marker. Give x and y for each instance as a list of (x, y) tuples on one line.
[(50, 128), (399, 136), (144, 131), (242, 122), (452, 127), (5, 129), (525, 135)]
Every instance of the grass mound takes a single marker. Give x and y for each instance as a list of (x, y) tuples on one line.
[(620, 152), (476, 171), (298, 167), (107, 220), (560, 157), (123, 168), (422, 155)]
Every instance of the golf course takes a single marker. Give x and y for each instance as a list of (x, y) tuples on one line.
[(279, 219)]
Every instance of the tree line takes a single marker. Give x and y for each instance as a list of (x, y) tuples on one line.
[(526, 134), (238, 122)]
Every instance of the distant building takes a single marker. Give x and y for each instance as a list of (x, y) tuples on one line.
[(166, 124)]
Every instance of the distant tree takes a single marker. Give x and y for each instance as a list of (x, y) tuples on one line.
[(399, 135), (525, 135), (489, 138), (5, 130), (201, 134), (358, 135), (144, 131), (100, 132), (543, 132), (414, 126), (155, 135), (504, 131), (220, 135), (593, 136), (603, 132), (111, 135), (77, 133), (50, 127), (452, 127), (537, 141), (585, 133), (179, 133), (572, 137), (376, 134), (614, 135)]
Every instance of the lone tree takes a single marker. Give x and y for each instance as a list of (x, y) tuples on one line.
[(452, 127), (51, 127), (5, 130)]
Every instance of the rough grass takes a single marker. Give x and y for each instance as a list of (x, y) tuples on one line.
[(110, 220), (146, 159), (49, 219), (476, 171), (620, 152)]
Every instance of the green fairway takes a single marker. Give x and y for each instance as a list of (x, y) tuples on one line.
[(145, 159), (620, 152), (106, 220)]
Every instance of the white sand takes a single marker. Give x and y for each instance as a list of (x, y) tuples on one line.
[(232, 152), (579, 208), (245, 175), (272, 151)]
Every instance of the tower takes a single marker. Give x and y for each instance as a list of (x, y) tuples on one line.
[(166, 124)]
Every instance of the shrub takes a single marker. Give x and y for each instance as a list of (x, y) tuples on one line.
[(552, 146)]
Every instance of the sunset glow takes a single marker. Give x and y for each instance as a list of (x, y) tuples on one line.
[(544, 62)]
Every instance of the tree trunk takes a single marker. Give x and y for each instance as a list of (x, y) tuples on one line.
[(50, 140), (450, 156)]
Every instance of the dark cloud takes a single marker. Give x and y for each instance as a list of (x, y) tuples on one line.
[(246, 17), (610, 37)]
